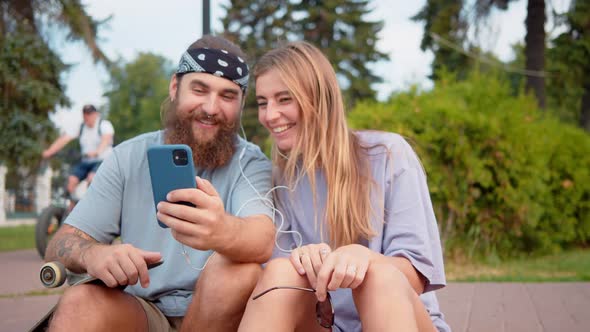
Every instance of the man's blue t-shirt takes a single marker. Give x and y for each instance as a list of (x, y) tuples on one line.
[(120, 203)]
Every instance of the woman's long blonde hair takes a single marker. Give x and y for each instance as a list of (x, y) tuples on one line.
[(324, 141)]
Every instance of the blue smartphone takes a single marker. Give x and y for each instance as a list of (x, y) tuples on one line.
[(171, 167)]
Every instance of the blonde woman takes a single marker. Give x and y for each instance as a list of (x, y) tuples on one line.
[(357, 210)]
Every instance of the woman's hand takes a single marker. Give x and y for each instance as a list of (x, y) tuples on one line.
[(308, 260), (346, 267)]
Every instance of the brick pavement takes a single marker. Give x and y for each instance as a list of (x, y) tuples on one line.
[(479, 307)]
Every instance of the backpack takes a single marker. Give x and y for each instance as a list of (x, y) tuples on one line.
[(99, 131), (82, 128)]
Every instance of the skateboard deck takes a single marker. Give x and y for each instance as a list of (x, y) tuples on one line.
[(54, 274)]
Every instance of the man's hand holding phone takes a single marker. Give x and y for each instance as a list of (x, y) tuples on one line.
[(201, 227)]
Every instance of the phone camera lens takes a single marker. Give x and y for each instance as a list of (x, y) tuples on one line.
[(180, 157)]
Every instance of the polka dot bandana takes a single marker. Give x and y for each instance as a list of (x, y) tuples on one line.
[(216, 62)]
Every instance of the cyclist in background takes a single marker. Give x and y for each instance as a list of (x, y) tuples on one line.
[(96, 142)]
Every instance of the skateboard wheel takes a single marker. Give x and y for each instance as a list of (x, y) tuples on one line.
[(52, 274)]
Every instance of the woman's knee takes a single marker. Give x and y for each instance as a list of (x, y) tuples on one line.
[(386, 278), (281, 270)]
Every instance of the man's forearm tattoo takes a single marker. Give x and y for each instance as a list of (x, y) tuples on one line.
[(70, 247)]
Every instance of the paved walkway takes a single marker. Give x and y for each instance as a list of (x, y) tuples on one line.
[(478, 307), (518, 307)]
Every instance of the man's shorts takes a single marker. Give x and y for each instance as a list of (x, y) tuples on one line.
[(82, 169), (157, 322)]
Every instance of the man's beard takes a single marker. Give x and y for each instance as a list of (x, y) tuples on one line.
[(209, 155)]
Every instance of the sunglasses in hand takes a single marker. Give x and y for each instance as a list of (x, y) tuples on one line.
[(323, 310)]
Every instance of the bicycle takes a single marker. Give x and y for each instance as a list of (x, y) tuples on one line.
[(53, 216)]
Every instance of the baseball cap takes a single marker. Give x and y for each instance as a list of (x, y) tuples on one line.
[(88, 108)]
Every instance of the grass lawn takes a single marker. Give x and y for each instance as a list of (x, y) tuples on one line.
[(572, 265), (17, 237), (567, 266)]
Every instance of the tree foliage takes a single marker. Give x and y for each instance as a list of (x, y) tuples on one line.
[(505, 179), (569, 64), (67, 15), (256, 26), (136, 91), (339, 28), (451, 20), (30, 72), (30, 89), (342, 31), (443, 18)]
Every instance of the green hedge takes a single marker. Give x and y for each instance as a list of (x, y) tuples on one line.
[(504, 178)]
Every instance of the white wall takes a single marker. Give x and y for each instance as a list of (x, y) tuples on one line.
[(2, 194), (43, 189)]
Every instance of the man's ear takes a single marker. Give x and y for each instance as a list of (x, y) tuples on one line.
[(172, 87)]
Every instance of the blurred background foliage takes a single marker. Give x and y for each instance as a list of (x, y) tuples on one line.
[(506, 146), (135, 93), (505, 178), (338, 27), (30, 73)]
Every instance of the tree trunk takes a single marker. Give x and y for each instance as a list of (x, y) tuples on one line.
[(24, 10), (585, 108), (2, 23), (535, 48)]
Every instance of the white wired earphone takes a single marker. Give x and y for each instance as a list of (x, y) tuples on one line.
[(265, 199)]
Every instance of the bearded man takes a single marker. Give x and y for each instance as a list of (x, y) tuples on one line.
[(206, 96)]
